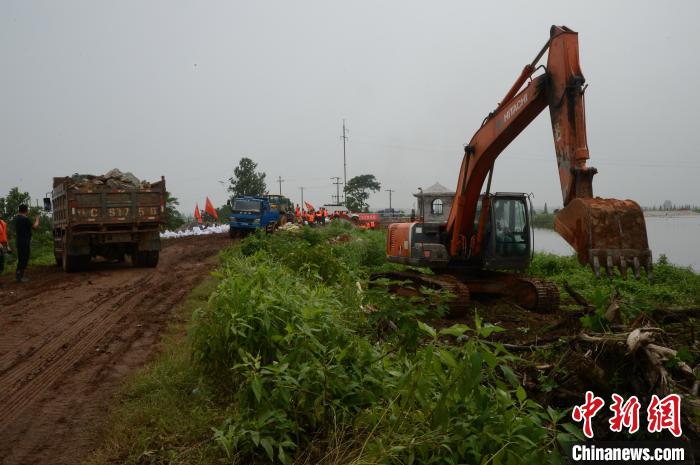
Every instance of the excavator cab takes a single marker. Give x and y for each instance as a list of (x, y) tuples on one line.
[(508, 235)]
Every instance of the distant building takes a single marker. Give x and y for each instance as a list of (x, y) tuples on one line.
[(434, 203)]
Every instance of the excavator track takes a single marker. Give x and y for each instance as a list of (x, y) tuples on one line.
[(538, 295), (546, 295)]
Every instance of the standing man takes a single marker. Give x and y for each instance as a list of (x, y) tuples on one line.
[(3, 245), (23, 231)]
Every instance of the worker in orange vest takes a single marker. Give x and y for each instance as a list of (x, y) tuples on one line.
[(310, 217), (4, 247), (319, 216), (297, 214), (324, 212)]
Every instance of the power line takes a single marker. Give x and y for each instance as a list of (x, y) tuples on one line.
[(594, 161), (345, 164), (337, 189), (280, 181), (390, 191)]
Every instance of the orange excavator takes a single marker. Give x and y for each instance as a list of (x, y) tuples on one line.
[(488, 237)]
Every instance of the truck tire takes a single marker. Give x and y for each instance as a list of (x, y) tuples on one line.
[(72, 263), (152, 258), (145, 259), (69, 264)]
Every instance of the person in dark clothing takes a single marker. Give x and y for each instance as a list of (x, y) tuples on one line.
[(23, 232)]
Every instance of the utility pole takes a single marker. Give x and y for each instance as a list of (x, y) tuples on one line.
[(345, 164), (390, 191), (337, 189), (303, 207), (280, 181)]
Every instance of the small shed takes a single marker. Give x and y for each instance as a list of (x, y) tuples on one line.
[(434, 203)]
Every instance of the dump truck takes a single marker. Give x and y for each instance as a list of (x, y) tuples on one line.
[(112, 216)]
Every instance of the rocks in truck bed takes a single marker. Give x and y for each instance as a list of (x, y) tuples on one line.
[(113, 179)]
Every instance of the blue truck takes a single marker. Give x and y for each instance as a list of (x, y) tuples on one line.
[(250, 213)]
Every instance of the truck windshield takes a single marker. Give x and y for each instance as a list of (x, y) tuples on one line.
[(242, 205)]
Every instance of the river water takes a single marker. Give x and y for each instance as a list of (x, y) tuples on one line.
[(677, 237)]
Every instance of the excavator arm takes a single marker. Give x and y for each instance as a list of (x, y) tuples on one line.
[(607, 232)]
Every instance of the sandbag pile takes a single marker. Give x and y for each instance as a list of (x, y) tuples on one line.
[(113, 179), (195, 231)]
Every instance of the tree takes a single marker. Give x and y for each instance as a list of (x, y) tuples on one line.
[(224, 213), (358, 189), (173, 218), (245, 181), (11, 203)]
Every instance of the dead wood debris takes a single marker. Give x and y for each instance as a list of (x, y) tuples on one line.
[(637, 361)]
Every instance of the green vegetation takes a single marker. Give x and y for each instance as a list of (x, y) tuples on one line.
[(246, 181), (173, 218), (672, 286), (291, 358), (543, 220), (292, 362), (357, 191)]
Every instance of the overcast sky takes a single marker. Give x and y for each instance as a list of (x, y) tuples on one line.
[(185, 89)]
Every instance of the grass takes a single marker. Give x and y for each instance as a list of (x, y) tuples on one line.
[(672, 286), (288, 360), (165, 412)]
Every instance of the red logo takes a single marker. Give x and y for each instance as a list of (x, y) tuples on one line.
[(661, 414), (587, 411), (625, 414), (665, 414)]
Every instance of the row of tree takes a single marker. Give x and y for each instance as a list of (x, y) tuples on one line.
[(247, 181)]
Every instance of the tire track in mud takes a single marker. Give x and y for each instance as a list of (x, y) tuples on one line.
[(9, 360), (30, 379), (67, 341)]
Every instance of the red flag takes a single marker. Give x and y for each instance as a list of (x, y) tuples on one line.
[(309, 206), (197, 213), (209, 208)]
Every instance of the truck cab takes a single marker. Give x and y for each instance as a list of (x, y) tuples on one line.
[(251, 213)]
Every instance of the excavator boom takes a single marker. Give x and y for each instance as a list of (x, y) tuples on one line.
[(604, 232)]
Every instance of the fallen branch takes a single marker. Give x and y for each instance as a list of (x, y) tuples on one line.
[(578, 298), (675, 315)]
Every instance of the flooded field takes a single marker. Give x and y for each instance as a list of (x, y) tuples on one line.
[(677, 237)]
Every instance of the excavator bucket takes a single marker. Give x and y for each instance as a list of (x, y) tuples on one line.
[(606, 233)]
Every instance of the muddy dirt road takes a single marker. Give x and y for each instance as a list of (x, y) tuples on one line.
[(67, 341)]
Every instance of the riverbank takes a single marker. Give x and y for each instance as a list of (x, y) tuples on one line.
[(670, 213)]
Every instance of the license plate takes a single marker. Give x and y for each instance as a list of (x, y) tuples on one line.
[(122, 237)]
